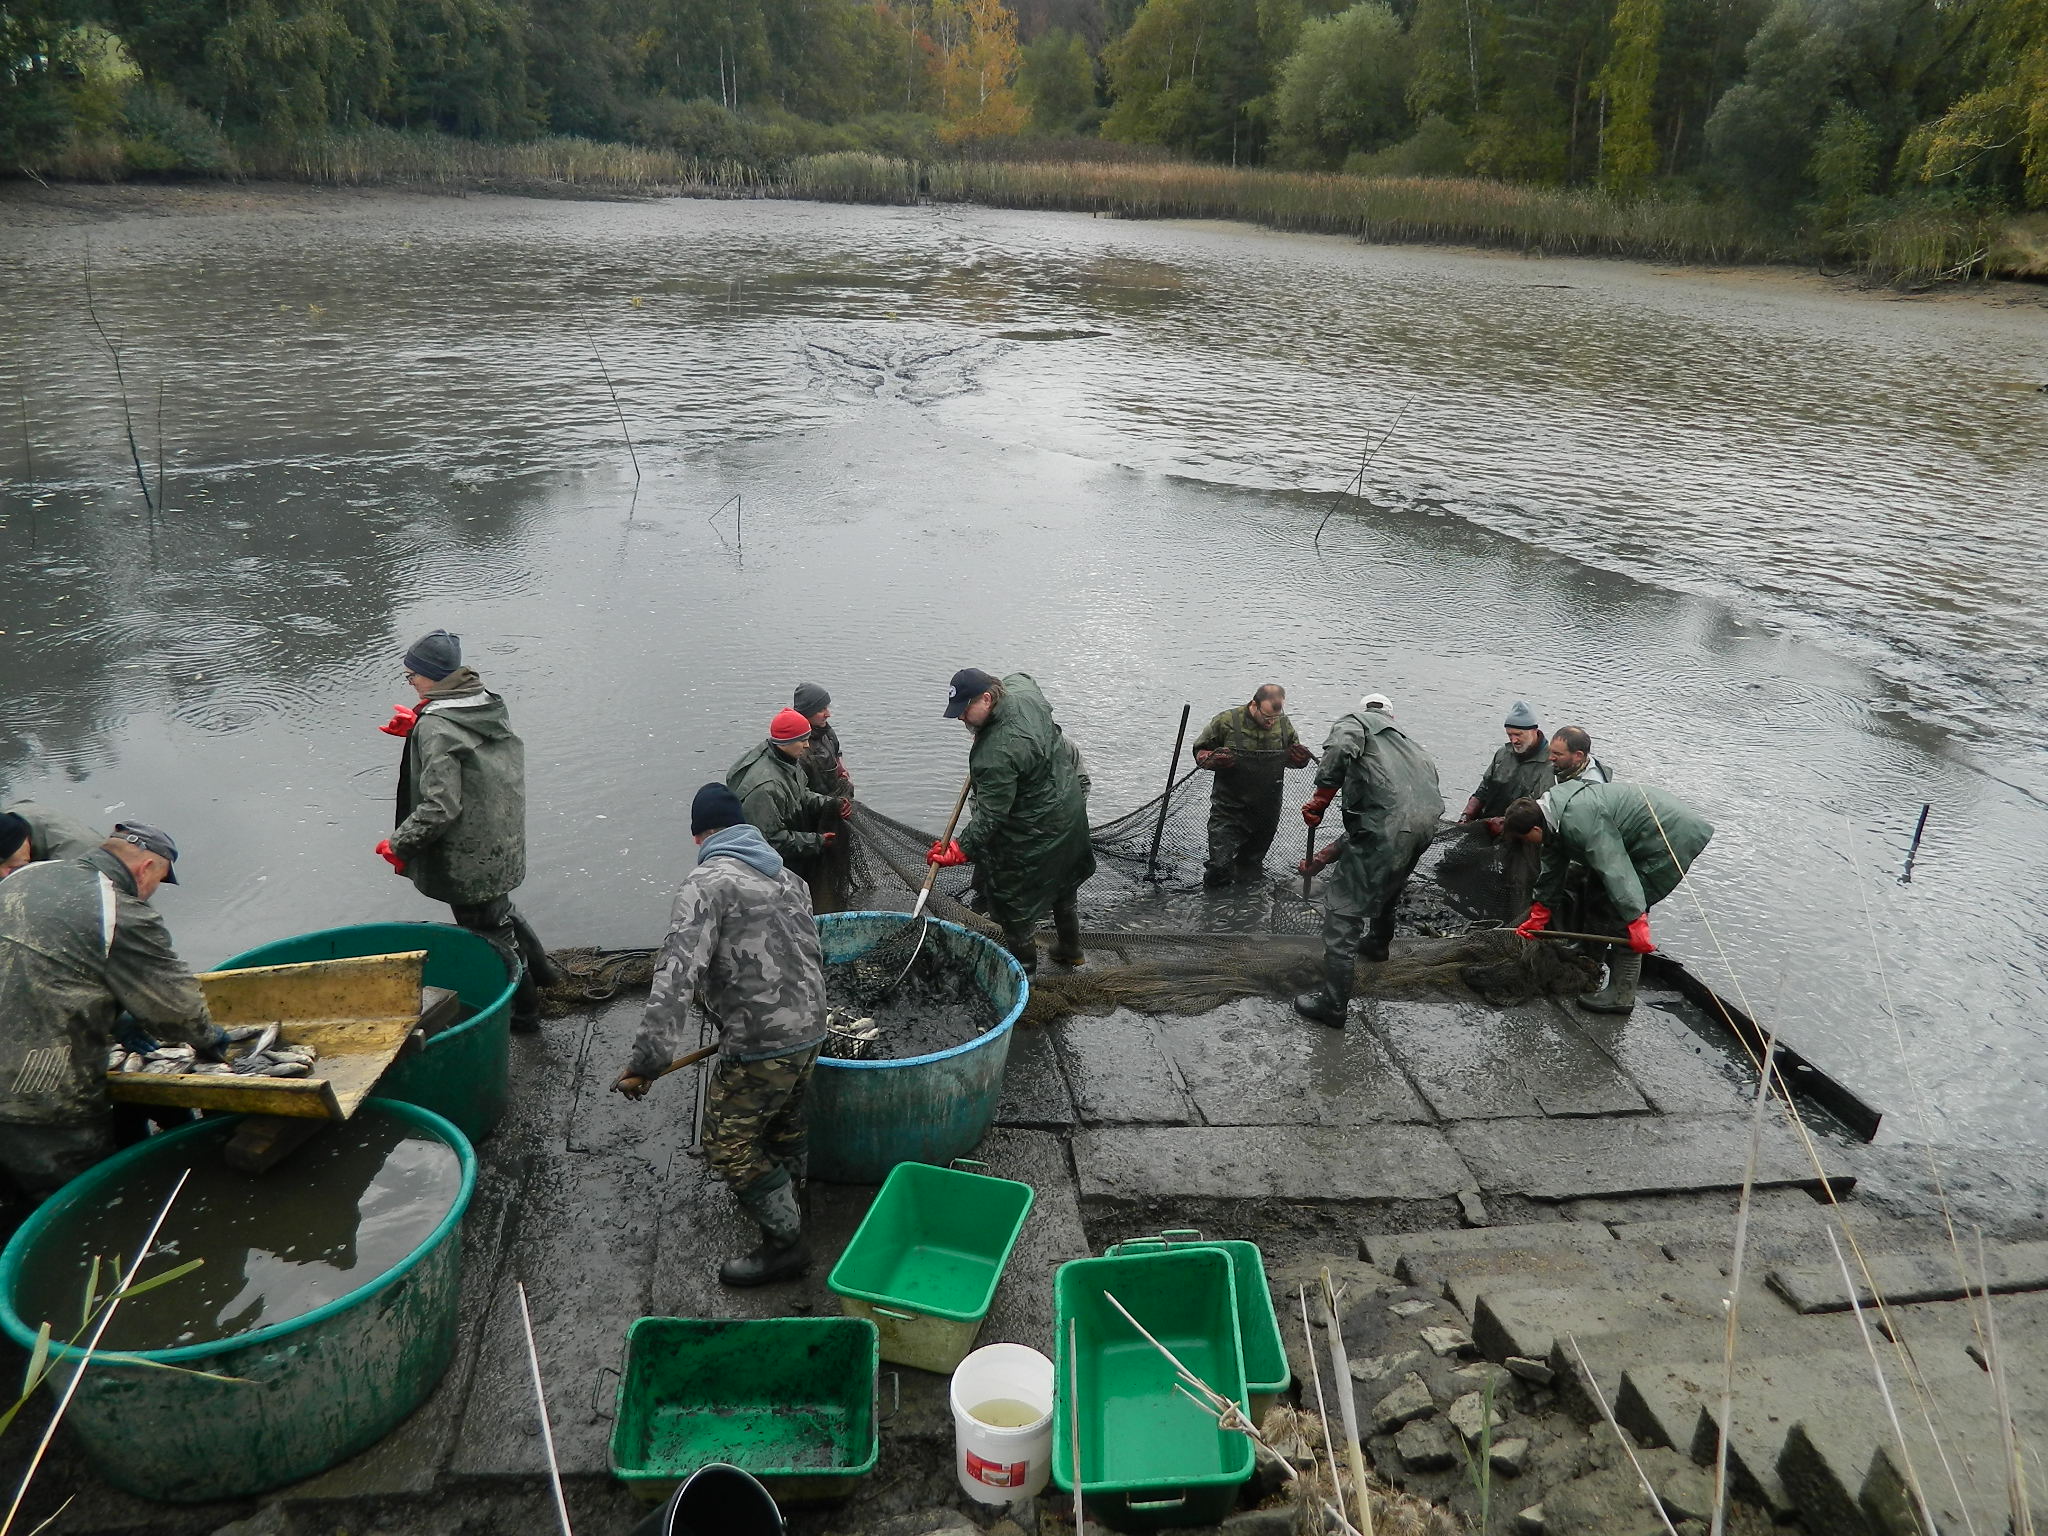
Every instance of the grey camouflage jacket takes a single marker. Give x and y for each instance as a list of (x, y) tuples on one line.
[(462, 796), (77, 948), (742, 946)]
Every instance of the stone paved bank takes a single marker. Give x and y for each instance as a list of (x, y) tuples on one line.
[(1520, 1205)]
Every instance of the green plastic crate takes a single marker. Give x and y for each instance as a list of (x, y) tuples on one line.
[(926, 1261), (1150, 1457), (790, 1399), (1266, 1373)]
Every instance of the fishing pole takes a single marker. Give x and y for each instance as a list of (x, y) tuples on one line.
[(1358, 480)]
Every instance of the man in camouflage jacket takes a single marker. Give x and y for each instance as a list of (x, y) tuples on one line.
[(1249, 750), (742, 947), (461, 831), (79, 946)]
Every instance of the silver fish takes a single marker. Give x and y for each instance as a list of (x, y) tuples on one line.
[(210, 1069), (161, 1068), (133, 1062), (115, 1057), (290, 1069), (253, 1065), (241, 1034)]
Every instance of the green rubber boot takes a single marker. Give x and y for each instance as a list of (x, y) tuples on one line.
[(1331, 1002), (784, 1252), (1624, 970)]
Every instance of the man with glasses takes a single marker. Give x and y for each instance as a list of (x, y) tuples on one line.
[(1248, 750)]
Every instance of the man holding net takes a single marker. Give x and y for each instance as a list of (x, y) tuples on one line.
[(1249, 750), (1521, 769), (1028, 835), (1391, 807)]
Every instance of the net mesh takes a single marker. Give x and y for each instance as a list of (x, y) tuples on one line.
[(1166, 945)]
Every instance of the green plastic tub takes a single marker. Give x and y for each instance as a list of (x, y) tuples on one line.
[(790, 1399), (1150, 1457), (926, 1261), (1266, 1373), (312, 1390), (464, 1074)]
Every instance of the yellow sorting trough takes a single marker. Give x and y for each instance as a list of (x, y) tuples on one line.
[(357, 1014)]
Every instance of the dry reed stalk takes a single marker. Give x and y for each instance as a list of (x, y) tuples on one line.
[(1883, 1387), (540, 1403), (620, 410), (1347, 1402), (121, 380)]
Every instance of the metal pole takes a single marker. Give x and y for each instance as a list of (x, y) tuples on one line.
[(1166, 799), (1913, 852)]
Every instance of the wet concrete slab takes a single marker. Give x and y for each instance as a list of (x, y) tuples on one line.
[(1256, 1062), (1364, 1164), (1120, 1071), (1475, 1063), (1674, 1068), (1035, 1091), (1552, 1159)]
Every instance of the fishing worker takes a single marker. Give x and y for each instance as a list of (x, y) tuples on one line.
[(1249, 750), (1571, 757), (461, 832), (49, 835), (1521, 769), (80, 945), (826, 770), (773, 782), (1391, 807), (1637, 843), (743, 946), (1028, 835)]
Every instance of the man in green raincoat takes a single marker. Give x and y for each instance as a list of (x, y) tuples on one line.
[(1636, 842), (774, 783), (50, 835), (461, 832), (1521, 769), (1249, 750), (1391, 808), (1028, 835)]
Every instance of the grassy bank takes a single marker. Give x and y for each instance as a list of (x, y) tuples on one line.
[(1907, 248)]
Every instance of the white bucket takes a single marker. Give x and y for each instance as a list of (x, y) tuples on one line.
[(1000, 1463)]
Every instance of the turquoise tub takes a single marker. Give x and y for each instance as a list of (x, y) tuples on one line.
[(465, 1073), (868, 1116), (313, 1390)]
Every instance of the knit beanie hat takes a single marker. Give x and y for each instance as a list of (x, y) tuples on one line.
[(434, 656), (810, 698), (1521, 717), (714, 809), (13, 833), (789, 726)]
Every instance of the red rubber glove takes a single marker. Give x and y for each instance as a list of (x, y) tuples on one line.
[(1214, 761), (846, 807), (1319, 802), (403, 718), (945, 855), (1496, 826), (1299, 756), (384, 852), (840, 769), (1537, 920), (1639, 935), (829, 839), (1315, 866)]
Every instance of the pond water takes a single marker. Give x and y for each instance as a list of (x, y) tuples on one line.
[(1777, 546)]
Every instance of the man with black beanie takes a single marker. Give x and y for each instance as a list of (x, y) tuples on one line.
[(742, 946), (461, 832)]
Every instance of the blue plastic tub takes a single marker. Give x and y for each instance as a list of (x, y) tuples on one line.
[(868, 1116)]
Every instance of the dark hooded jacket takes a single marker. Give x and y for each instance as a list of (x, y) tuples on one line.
[(1391, 806), (53, 835), (462, 796), (1513, 776), (775, 792), (1028, 835)]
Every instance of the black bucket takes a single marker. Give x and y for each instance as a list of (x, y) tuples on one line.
[(717, 1500)]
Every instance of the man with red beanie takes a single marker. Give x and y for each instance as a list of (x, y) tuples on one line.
[(774, 789)]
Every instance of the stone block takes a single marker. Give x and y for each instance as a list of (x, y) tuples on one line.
[(1424, 1447), (1508, 1457), (1903, 1278), (1391, 1249), (1035, 1094), (1677, 1070), (1361, 1164), (1252, 1063), (1120, 1073), (1408, 1401), (1472, 1416), (1564, 1160)]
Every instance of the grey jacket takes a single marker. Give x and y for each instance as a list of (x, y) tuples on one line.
[(77, 948), (53, 835), (1512, 776), (462, 796), (742, 946), (775, 792)]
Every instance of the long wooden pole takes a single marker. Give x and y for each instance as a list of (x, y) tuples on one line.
[(1166, 799)]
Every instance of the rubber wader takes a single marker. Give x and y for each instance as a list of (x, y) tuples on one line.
[(1624, 971), (783, 1252)]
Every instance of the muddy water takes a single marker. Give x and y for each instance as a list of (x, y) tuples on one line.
[(1778, 547), (344, 1209)]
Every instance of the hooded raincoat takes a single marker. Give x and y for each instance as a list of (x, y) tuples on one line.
[(78, 948), (462, 796), (1638, 842), (1028, 834), (1513, 776), (1391, 806), (53, 835), (775, 792)]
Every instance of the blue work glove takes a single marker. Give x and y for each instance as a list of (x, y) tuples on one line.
[(130, 1034)]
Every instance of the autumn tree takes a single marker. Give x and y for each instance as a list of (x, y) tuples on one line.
[(977, 69), (1627, 91)]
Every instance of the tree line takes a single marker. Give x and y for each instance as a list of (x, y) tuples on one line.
[(1817, 110)]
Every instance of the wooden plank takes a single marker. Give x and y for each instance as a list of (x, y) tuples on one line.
[(371, 987)]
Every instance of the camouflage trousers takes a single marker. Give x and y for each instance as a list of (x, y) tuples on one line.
[(42, 1159), (754, 1116)]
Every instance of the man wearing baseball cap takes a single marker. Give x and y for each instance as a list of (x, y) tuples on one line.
[(79, 946), (774, 787), (1028, 836), (461, 833)]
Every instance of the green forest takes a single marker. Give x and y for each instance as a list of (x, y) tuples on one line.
[(1820, 117)]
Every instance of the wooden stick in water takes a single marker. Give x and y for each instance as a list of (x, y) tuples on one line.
[(540, 1401)]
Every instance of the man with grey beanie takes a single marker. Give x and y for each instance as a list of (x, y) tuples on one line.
[(825, 769), (461, 832), (1520, 770)]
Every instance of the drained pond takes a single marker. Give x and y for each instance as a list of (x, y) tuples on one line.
[(1777, 546)]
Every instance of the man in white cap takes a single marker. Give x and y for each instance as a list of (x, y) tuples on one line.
[(1391, 806)]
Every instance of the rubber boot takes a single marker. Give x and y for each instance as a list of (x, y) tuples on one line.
[(1025, 950), (1215, 876), (539, 966), (799, 1165), (1624, 970), (1378, 942), (526, 1005), (1066, 946), (1331, 1002), (784, 1252)]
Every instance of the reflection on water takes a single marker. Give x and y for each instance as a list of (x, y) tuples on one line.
[(339, 1212), (1775, 547)]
